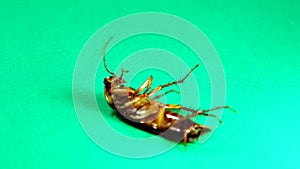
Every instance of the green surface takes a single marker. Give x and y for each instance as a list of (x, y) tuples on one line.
[(258, 43)]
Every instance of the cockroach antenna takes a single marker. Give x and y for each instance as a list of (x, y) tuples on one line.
[(104, 56)]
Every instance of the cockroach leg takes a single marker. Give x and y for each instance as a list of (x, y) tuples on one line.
[(152, 92), (181, 80), (171, 83), (203, 112), (195, 112), (165, 93), (200, 112), (147, 84)]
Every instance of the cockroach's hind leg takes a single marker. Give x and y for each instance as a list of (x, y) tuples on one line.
[(201, 112), (195, 112)]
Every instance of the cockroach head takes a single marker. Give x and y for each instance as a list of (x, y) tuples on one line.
[(114, 80)]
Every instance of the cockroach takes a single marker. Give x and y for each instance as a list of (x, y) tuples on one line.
[(142, 110)]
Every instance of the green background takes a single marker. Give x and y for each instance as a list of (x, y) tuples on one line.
[(258, 43)]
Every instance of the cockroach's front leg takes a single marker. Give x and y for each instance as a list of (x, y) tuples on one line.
[(172, 83), (147, 84)]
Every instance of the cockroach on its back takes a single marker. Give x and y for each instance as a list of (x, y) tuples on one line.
[(141, 110)]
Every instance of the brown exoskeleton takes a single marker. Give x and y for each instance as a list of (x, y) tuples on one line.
[(141, 109)]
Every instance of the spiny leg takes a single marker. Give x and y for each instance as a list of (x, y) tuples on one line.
[(147, 84), (181, 80), (165, 93), (172, 83), (196, 112)]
